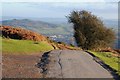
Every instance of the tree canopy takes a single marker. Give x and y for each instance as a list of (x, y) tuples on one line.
[(89, 30)]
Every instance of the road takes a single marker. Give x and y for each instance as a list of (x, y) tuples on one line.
[(74, 64)]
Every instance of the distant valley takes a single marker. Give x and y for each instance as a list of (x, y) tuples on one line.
[(58, 30)]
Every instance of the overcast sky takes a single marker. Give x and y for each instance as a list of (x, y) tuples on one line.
[(105, 9)]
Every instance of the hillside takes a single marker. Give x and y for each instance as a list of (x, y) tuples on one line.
[(21, 34), (22, 41), (19, 40), (38, 26)]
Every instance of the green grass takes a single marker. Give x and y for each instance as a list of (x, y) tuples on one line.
[(11, 46), (108, 59)]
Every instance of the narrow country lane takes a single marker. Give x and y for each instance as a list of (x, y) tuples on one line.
[(74, 64)]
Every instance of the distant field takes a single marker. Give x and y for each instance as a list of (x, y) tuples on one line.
[(11, 46), (108, 59)]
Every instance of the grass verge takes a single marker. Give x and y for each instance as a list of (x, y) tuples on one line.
[(108, 59), (11, 46)]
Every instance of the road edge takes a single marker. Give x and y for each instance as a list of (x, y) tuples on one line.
[(107, 67)]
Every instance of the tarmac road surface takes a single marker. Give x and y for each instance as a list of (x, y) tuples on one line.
[(74, 64)]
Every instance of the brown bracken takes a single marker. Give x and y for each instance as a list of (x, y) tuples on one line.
[(21, 34)]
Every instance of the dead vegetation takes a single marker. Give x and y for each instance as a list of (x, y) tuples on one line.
[(21, 34)]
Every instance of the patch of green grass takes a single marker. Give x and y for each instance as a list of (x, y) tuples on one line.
[(108, 59), (11, 46)]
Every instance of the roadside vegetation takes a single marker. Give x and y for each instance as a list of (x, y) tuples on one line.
[(12, 46), (108, 58), (63, 45)]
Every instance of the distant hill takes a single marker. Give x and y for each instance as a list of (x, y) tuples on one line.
[(27, 23), (39, 26)]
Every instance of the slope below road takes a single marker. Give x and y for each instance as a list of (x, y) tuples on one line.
[(74, 64)]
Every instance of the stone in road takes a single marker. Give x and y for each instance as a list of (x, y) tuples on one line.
[(74, 64)]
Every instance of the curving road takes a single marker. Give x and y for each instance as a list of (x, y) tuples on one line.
[(74, 64)]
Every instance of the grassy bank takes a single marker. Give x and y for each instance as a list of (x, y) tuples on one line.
[(11, 46), (109, 59)]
